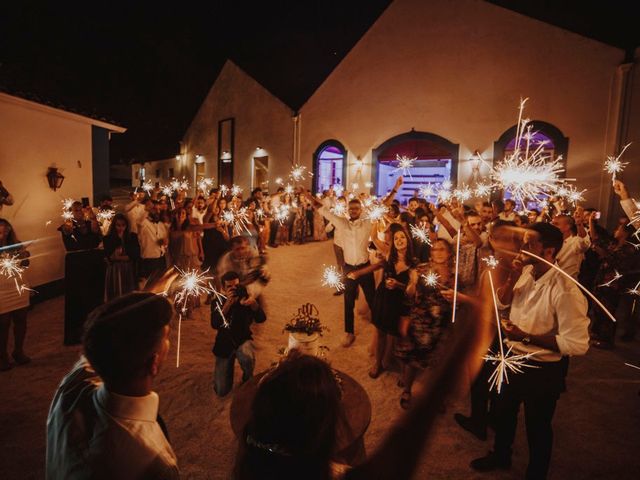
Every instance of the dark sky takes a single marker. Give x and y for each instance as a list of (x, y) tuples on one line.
[(148, 66)]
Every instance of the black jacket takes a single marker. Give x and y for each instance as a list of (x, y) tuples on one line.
[(239, 318)]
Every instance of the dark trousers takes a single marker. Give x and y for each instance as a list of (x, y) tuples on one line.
[(481, 412), (351, 293), (539, 390), (339, 256), (273, 232)]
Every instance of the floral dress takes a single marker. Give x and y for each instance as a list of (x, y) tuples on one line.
[(430, 315)]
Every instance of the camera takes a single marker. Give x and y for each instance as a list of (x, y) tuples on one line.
[(241, 292)]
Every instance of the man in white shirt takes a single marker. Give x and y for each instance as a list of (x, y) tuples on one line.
[(509, 213), (548, 319), (354, 235), (153, 237), (103, 422), (135, 211), (574, 246)]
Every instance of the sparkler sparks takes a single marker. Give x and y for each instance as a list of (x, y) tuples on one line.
[(289, 190), (298, 173), (430, 279), (482, 190), (355, 186), (376, 212), (105, 215), (339, 189), (491, 261), (613, 165), (339, 209), (420, 232), (204, 185), (223, 190), (405, 164), (331, 277), (167, 190), (11, 268), (279, 181), (147, 187), (463, 194), (67, 216), (529, 172), (617, 276), (282, 213), (368, 184), (67, 203), (193, 284), (426, 191), (235, 190), (175, 184), (634, 290)]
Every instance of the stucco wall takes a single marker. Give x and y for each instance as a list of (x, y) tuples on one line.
[(260, 120), (31, 141), (458, 69)]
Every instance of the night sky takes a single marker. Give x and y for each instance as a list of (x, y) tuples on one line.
[(148, 66)]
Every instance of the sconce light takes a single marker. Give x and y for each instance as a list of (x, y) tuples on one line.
[(178, 157), (199, 158), (359, 164), (226, 156), (55, 178)]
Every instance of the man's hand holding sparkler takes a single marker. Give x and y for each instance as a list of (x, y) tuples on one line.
[(620, 189)]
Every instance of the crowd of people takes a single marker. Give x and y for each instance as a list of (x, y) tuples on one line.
[(417, 264)]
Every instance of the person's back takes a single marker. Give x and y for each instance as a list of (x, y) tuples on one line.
[(103, 420)]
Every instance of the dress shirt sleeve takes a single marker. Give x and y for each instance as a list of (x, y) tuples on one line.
[(583, 243), (631, 210), (333, 218), (573, 323)]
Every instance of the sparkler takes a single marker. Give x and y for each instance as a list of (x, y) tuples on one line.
[(223, 190), (426, 191), (491, 261), (613, 165), (368, 184), (446, 185), (11, 268), (505, 363), (194, 284), (105, 215), (259, 213), (67, 203), (632, 366), (528, 172), (289, 189), (175, 184), (235, 190), (167, 190), (615, 277), (376, 212), (634, 290), (298, 173), (420, 232), (482, 190), (405, 164), (281, 214), (355, 186), (339, 209), (339, 189), (147, 187), (67, 216), (580, 286), (463, 194), (430, 279), (205, 184), (455, 279), (279, 181), (331, 277)]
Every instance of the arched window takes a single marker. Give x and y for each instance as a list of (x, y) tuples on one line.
[(329, 165), (436, 162)]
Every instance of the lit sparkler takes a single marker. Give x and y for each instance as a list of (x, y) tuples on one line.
[(376, 212), (279, 181), (235, 190), (259, 213), (282, 214), (491, 261), (184, 184), (463, 194), (426, 191), (430, 279), (298, 173), (613, 165), (67, 216), (331, 277), (634, 290), (105, 215), (193, 284), (147, 187), (167, 190), (339, 189), (446, 185), (617, 276), (420, 232), (355, 186), (67, 203), (405, 164), (339, 209), (205, 185), (175, 185), (11, 268), (368, 184), (482, 190), (455, 280), (289, 189)]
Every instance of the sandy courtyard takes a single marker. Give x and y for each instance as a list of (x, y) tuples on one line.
[(597, 422)]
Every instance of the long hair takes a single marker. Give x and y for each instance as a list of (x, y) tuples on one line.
[(112, 227), (174, 220), (12, 238), (393, 252), (292, 430)]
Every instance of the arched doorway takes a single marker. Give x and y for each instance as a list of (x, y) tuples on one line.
[(436, 162), (329, 165)]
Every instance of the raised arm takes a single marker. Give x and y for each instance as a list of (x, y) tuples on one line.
[(392, 194)]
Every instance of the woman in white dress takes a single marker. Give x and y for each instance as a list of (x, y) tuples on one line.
[(14, 301)]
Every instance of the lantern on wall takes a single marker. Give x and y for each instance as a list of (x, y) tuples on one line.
[(55, 178)]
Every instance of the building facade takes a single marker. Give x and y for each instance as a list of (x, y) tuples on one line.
[(439, 81), (33, 138)]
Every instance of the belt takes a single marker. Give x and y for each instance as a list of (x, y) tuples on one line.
[(360, 265)]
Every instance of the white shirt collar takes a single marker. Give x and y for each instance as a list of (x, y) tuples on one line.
[(144, 409)]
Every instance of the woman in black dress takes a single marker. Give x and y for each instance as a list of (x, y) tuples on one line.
[(389, 302), (122, 251)]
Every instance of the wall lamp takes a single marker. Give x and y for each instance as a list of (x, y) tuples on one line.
[(55, 178)]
